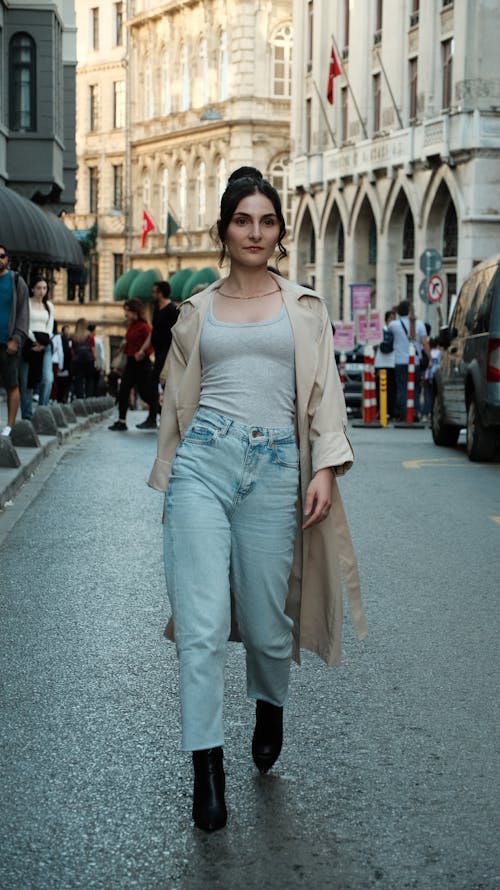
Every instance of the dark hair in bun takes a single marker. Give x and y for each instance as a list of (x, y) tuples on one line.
[(243, 182), (244, 172)]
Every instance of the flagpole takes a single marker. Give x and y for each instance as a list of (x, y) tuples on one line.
[(323, 109), (396, 109), (350, 90)]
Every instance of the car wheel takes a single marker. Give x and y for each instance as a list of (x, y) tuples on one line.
[(481, 442), (442, 433)]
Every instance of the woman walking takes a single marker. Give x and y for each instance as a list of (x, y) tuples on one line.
[(138, 366), (35, 370), (252, 437)]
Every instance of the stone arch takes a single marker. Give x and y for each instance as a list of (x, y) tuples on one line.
[(306, 226), (333, 237), (397, 277), (364, 241)]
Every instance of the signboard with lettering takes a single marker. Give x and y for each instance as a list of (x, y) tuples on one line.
[(368, 326), (360, 296), (344, 336)]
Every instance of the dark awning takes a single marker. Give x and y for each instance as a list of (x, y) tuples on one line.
[(28, 231)]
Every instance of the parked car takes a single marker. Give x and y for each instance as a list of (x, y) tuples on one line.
[(466, 384), (353, 390)]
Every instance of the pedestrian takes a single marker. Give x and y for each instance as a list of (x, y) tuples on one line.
[(384, 360), (137, 372), (62, 361), (99, 362), (434, 358), (165, 315), (36, 371), (252, 438), (83, 359), (14, 323), (406, 330)]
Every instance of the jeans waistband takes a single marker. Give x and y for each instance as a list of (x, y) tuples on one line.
[(225, 425)]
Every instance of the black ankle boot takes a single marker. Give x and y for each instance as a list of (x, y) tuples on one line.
[(268, 735), (209, 808)]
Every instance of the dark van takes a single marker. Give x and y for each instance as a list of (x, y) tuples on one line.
[(466, 385)]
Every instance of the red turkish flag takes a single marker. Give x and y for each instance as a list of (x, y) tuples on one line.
[(147, 226), (333, 72)]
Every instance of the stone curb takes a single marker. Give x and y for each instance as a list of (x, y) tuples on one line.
[(12, 477)]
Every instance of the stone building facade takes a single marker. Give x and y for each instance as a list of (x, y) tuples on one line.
[(171, 97), (407, 156)]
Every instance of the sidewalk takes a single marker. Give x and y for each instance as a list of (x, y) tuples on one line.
[(18, 462)]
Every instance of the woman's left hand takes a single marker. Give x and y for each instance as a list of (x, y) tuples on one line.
[(318, 498)]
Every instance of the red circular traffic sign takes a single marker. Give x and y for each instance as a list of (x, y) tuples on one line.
[(435, 288)]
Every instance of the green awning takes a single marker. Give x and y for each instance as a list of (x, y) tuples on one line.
[(142, 286), (177, 282), (123, 284), (201, 276)]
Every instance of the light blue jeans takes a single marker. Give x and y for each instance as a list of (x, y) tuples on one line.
[(44, 387), (230, 523)]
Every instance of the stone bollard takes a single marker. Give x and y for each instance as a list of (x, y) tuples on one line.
[(69, 414), (24, 435), (58, 415), (43, 421), (8, 454), (80, 408)]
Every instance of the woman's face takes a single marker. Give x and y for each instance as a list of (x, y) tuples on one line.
[(253, 232), (40, 289), (130, 316)]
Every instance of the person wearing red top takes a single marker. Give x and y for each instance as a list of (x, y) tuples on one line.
[(138, 368)]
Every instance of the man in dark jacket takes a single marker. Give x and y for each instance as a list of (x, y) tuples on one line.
[(14, 323), (165, 315)]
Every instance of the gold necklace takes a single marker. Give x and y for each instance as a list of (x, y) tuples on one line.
[(255, 296)]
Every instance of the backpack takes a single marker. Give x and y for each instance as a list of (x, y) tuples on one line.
[(387, 344)]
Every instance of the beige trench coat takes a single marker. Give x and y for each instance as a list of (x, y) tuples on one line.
[(324, 555)]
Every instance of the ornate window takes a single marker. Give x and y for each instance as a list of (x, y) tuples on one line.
[(413, 88), (118, 104), (409, 237), (450, 232), (22, 81), (146, 192), (372, 245), (201, 194), (163, 200), (203, 71), (278, 177), (93, 190), (341, 245), (282, 62), (149, 99), (183, 196), (223, 84), (93, 107), (166, 91), (221, 180), (447, 72), (185, 83), (118, 186)]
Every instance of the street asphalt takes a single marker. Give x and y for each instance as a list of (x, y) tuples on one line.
[(389, 776)]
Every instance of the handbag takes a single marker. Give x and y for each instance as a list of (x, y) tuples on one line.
[(119, 362)]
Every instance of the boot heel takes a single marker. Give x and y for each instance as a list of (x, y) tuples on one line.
[(268, 735), (209, 807)]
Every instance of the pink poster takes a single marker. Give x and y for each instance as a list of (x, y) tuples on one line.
[(368, 326), (360, 296), (344, 336)]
